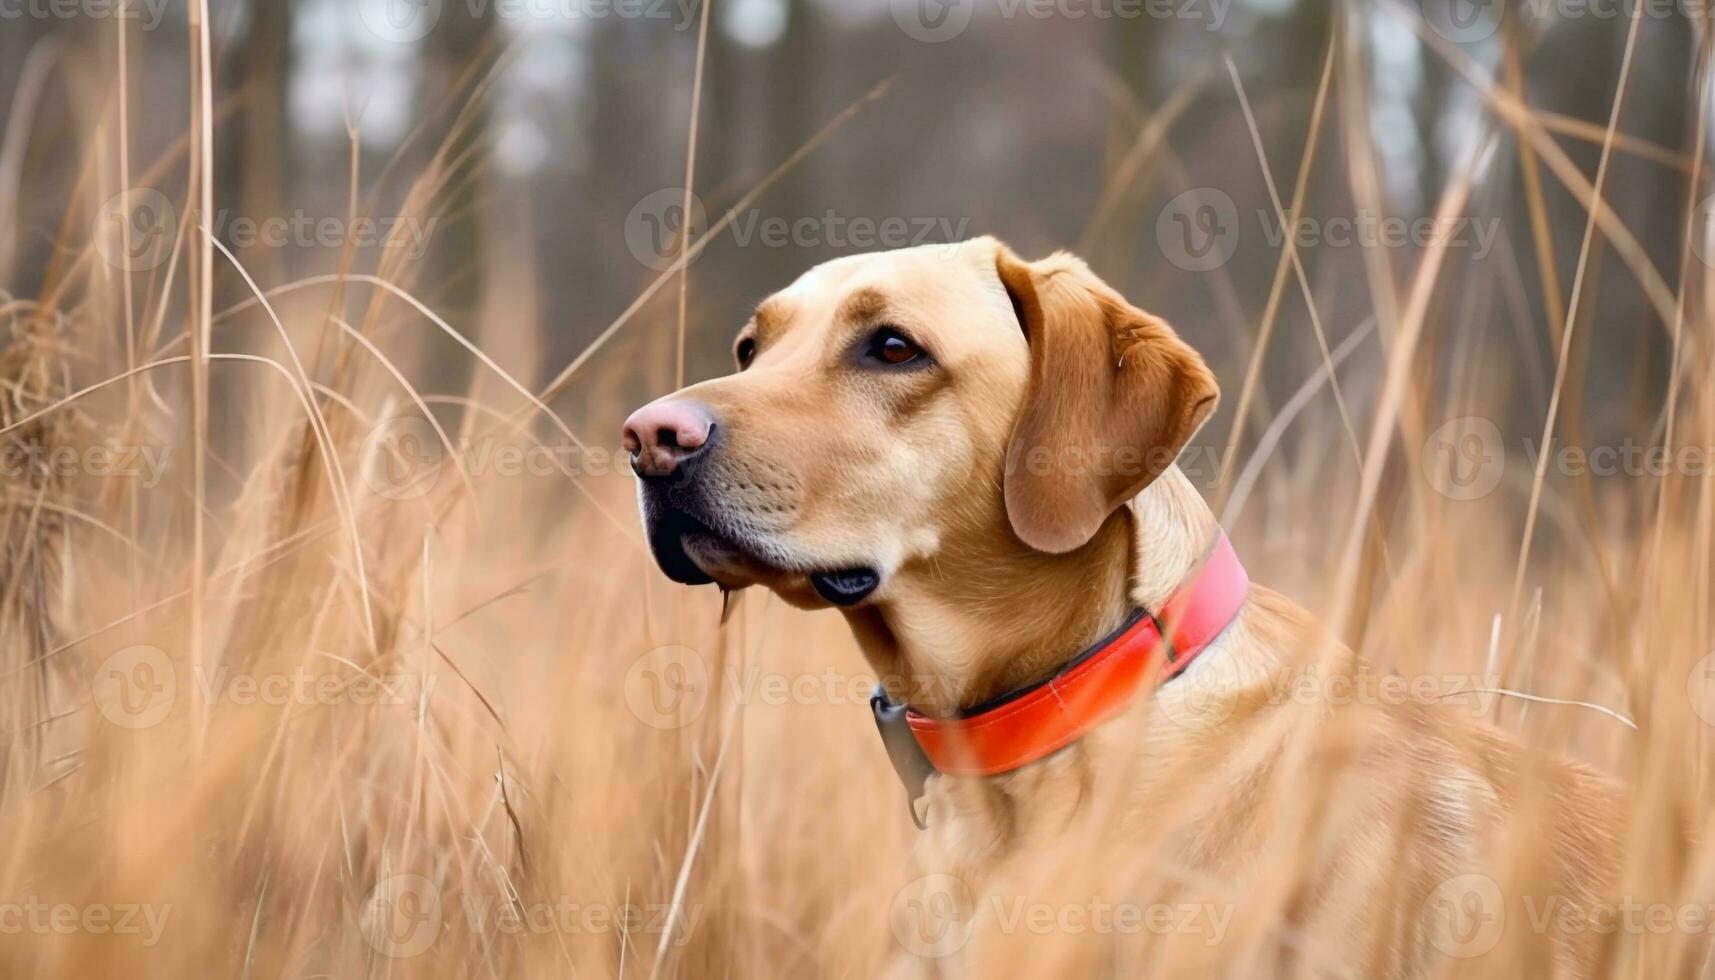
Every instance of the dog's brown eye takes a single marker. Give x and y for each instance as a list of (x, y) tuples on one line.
[(889, 346), (745, 352)]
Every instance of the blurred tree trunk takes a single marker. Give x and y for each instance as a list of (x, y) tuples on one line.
[(793, 63), (457, 55), (17, 41), (616, 137), (789, 117), (253, 155), (1132, 55)]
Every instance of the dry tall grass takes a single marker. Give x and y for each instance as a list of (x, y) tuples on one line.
[(404, 716)]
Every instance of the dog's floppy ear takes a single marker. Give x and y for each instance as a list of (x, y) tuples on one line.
[(1114, 395)]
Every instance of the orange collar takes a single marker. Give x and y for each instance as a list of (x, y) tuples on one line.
[(1022, 726)]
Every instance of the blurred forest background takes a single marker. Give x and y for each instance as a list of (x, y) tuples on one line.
[(1016, 126)]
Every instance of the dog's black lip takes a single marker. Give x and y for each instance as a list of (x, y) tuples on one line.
[(667, 544), (846, 587), (672, 515)]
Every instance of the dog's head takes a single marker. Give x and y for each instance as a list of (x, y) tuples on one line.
[(893, 409)]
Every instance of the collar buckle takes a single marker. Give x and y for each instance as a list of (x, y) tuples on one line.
[(1171, 665), (903, 750)]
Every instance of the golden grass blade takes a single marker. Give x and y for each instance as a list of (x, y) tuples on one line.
[(1395, 383), (1524, 122), (422, 308), (1291, 257), (318, 424), (690, 186), (1149, 138), (1283, 419), (1539, 699), (1288, 261), (1571, 326), (1589, 132), (1362, 168), (446, 328), (1548, 272), (416, 399), (682, 882), (202, 278), (1687, 253), (89, 390)]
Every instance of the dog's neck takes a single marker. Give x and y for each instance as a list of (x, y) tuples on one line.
[(988, 615)]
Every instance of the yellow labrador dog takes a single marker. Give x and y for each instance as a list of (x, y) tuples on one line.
[(971, 456)]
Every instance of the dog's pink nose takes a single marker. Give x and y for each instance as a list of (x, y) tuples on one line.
[(664, 434)]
